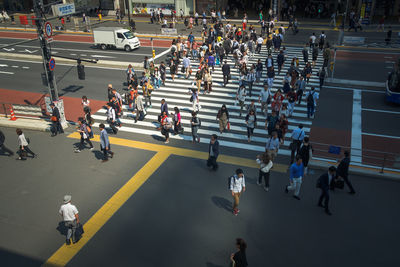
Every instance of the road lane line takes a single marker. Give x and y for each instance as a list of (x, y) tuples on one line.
[(65, 253), (381, 110), (382, 135), (356, 140), (6, 72)]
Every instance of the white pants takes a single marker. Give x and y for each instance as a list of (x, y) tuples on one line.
[(295, 185), (290, 108)]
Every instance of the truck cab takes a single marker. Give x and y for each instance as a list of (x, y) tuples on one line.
[(113, 37)]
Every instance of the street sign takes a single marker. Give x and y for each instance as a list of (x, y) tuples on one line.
[(52, 64), (48, 29), (63, 9)]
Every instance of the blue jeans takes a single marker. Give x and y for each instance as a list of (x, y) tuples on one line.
[(310, 111)]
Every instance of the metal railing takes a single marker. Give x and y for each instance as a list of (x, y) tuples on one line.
[(382, 160)]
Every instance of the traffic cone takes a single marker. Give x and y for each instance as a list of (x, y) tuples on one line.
[(13, 118)]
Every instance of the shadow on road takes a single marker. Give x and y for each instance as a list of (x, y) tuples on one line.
[(222, 203)]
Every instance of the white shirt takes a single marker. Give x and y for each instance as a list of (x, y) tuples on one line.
[(237, 184), (260, 40), (22, 141), (312, 37), (242, 94), (265, 167), (68, 211), (111, 114)]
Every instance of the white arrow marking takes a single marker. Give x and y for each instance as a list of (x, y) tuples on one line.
[(30, 52), (25, 67), (9, 49), (100, 56), (15, 66)]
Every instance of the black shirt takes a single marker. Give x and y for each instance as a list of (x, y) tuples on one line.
[(240, 259)]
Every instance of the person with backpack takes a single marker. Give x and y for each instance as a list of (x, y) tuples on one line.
[(195, 123), (324, 183), (265, 166), (213, 152), (84, 130), (311, 97), (3, 148), (237, 186)]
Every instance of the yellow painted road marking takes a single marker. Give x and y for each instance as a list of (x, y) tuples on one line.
[(65, 253), (244, 162)]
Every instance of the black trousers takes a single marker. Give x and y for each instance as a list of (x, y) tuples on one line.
[(81, 144), (266, 177), (106, 152), (295, 150), (6, 149), (324, 196), (57, 128), (212, 162), (23, 153), (225, 80), (112, 126), (347, 181), (321, 82)]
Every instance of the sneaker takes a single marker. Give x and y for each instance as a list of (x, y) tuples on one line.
[(112, 154), (77, 151), (166, 142), (235, 212), (266, 188), (91, 148), (258, 183), (68, 242), (296, 197)]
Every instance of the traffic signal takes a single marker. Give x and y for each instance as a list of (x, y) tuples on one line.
[(154, 53), (81, 70)]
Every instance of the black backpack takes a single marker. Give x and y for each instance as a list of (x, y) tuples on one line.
[(310, 99), (229, 181)]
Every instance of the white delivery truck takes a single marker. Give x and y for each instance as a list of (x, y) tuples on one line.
[(114, 37)]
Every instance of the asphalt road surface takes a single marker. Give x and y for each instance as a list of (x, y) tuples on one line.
[(181, 216)]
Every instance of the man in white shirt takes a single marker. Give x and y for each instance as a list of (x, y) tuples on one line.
[(70, 216), (263, 99), (312, 40), (111, 118), (260, 41), (237, 186)]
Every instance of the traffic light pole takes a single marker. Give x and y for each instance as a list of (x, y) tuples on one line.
[(45, 49)]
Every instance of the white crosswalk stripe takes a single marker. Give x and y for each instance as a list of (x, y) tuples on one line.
[(176, 93)]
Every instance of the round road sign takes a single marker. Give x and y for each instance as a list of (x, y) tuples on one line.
[(52, 64), (48, 29)]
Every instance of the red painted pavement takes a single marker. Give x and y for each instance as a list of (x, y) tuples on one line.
[(329, 136), (80, 38), (384, 144), (72, 105)]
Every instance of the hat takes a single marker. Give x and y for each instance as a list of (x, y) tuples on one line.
[(67, 198)]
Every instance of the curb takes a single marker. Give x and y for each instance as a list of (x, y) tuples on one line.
[(363, 171), (27, 124)]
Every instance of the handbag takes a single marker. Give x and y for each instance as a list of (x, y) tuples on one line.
[(53, 118), (79, 231), (191, 99), (228, 126), (292, 146), (339, 183)]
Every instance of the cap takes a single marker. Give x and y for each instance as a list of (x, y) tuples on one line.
[(67, 198)]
